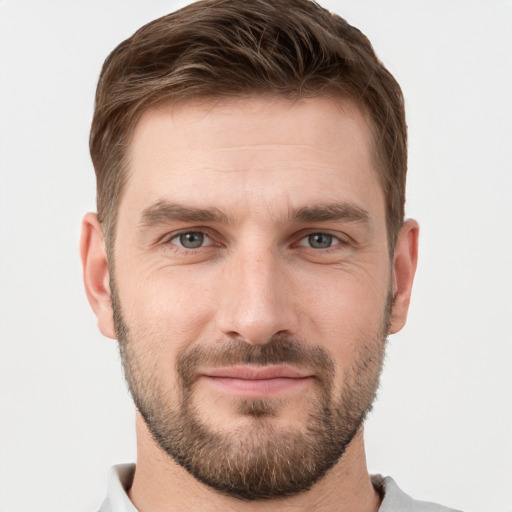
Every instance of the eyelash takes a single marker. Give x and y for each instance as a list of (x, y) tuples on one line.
[(170, 244), (337, 241), (334, 239)]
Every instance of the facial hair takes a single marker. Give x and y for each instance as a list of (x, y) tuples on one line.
[(258, 460)]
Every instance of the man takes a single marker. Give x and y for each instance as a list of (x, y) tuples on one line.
[(250, 254)]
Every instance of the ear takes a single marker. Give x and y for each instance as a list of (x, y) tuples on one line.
[(96, 273), (404, 267)]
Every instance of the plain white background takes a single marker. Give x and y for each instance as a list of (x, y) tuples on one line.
[(442, 426)]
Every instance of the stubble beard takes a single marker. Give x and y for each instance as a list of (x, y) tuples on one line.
[(259, 460)]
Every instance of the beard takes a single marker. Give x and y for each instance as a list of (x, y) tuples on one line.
[(258, 459)]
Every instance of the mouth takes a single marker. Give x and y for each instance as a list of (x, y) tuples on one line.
[(256, 381)]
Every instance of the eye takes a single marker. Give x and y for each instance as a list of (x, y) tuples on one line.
[(319, 241), (191, 240)]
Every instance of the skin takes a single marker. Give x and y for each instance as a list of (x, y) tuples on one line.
[(257, 161)]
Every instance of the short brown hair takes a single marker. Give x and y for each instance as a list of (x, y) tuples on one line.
[(225, 48)]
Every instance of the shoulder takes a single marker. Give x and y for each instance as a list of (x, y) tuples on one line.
[(395, 500)]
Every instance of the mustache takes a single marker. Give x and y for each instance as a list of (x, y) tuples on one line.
[(278, 350)]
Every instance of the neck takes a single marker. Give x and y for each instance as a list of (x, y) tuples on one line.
[(161, 485)]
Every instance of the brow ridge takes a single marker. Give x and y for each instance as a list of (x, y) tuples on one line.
[(331, 212), (164, 211)]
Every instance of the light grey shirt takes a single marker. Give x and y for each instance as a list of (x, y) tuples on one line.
[(395, 500)]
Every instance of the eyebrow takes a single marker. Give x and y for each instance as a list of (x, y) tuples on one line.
[(163, 211), (331, 212)]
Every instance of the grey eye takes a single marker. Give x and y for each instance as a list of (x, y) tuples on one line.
[(191, 240), (320, 240)]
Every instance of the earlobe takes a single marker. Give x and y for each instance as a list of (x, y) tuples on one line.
[(404, 267), (96, 273)]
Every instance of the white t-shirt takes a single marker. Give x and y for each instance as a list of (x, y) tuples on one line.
[(395, 500)]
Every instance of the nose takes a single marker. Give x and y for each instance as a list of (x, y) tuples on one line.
[(257, 298)]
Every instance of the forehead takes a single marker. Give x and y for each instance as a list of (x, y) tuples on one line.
[(257, 151), (256, 120)]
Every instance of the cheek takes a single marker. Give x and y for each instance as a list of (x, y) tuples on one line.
[(348, 299), (347, 312), (166, 309)]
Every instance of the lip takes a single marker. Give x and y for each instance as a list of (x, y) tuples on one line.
[(256, 381), (256, 372)]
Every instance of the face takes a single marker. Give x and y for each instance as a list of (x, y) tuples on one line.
[(252, 285)]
